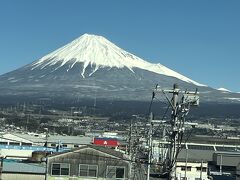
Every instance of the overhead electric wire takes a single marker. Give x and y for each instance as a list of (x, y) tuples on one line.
[(164, 115), (151, 102)]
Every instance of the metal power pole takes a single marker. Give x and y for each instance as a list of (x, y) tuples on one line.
[(130, 141), (149, 146), (1, 168), (130, 149), (180, 108), (174, 129)]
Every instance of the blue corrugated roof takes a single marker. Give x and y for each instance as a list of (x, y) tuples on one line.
[(33, 148)]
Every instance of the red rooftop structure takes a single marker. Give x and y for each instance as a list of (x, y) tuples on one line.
[(112, 142)]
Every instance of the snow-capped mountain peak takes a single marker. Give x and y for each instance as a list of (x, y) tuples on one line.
[(97, 50), (91, 49), (224, 90)]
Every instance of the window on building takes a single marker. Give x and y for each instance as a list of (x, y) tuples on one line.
[(115, 172), (4, 143), (203, 169), (88, 170), (14, 143), (183, 168), (26, 144), (60, 169)]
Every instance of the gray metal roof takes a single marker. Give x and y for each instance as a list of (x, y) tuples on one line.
[(56, 138), (103, 149), (227, 153), (71, 139), (223, 148), (17, 167), (196, 154), (200, 147)]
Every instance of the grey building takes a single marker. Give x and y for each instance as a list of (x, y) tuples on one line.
[(226, 158), (88, 162), (22, 171), (40, 139)]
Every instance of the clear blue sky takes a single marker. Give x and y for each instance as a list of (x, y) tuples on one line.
[(197, 38)]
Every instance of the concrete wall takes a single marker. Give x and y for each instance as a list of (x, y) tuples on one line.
[(192, 173), (10, 176), (15, 152)]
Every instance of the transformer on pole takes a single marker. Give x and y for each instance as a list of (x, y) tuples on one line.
[(180, 104)]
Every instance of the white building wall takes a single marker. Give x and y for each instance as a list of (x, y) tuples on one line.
[(10, 176), (193, 173), (15, 152), (15, 138)]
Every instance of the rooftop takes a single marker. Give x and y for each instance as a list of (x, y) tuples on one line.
[(20, 167), (103, 149)]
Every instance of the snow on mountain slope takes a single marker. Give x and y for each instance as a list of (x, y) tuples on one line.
[(224, 90), (98, 51)]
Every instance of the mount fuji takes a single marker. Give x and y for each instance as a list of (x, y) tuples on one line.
[(93, 67)]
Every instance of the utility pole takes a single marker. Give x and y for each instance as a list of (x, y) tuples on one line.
[(149, 145), (130, 141), (201, 169), (132, 151), (28, 117), (46, 138), (129, 150), (186, 163), (173, 122), (221, 164), (180, 109), (46, 155), (1, 167)]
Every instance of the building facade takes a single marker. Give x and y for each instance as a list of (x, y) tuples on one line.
[(191, 170), (88, 162)]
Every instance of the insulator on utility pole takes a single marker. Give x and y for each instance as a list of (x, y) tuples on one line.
[(180, 108)]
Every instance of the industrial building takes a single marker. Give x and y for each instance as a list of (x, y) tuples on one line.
[(221, 159), (31, 139), (24, 144)]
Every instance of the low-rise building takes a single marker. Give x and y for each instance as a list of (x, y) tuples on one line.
[(33, 139), (22, 145), (22, 171), (191, 170), (88, 162), (226, 159)]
